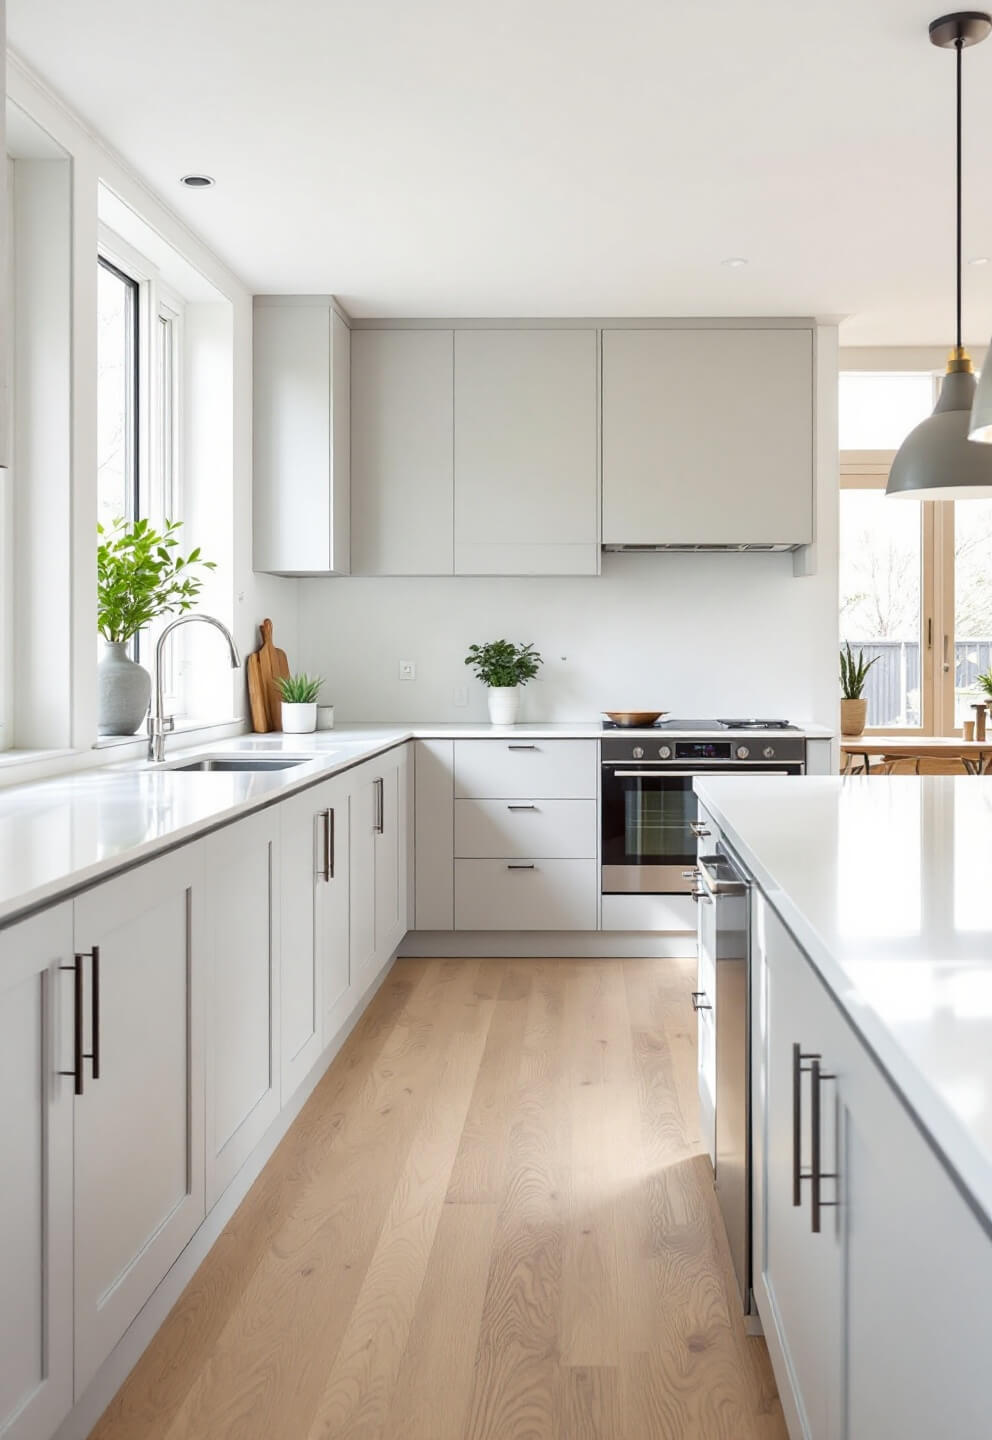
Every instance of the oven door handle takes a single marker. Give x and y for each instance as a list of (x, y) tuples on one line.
[(658, 774)]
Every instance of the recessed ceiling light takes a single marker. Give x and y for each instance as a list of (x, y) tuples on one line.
[(196, 182), (734, 262), (979, 260)]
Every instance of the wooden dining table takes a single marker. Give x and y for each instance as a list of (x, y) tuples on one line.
[(975, 756)]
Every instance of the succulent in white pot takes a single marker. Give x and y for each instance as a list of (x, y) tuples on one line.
[(299, 703), (503, 668)]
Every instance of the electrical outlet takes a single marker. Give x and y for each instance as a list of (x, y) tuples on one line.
[(408, 669), (459, 695)]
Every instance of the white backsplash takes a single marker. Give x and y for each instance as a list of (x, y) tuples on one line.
[(696, 634)]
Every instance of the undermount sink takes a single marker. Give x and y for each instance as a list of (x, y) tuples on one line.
[(240, 762)]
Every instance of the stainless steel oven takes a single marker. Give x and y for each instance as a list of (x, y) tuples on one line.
[(648, 804)]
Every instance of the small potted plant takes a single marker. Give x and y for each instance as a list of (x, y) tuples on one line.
[(503, 667), (984, 683), (140, 578), (853, 676), (299, 703)]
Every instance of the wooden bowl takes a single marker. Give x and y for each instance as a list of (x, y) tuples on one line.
[(634, 719)]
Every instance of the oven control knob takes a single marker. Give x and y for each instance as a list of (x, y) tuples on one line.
[(742, 752), (769, 752), (664, 752), (638, 752)]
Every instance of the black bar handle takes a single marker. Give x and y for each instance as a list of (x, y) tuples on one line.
[(699, 996), (521, 747), (380, 807), (815, 1160), (521, 867), (77, 1023), (95, 1008), (797, 1124)]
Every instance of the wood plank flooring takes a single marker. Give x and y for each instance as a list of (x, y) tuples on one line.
[(491, 1221)]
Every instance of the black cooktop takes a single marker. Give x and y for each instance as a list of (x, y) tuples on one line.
[(704, 725)]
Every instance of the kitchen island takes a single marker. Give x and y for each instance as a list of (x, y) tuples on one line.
[(871, 1093)]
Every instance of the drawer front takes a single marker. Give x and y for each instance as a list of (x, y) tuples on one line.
[(560, 829), (553, 895), (533, 769)]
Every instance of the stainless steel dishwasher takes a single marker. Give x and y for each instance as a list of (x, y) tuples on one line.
[(727, 930)]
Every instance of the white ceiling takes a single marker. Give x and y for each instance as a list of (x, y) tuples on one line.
[(551, 157)]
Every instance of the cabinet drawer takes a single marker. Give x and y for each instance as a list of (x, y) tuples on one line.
[(532, 769), (553, 895), (562, 829)]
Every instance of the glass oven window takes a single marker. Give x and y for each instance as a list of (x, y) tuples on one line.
[(656, 821)]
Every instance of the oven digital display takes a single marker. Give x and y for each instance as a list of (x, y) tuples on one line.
[(702, 750)]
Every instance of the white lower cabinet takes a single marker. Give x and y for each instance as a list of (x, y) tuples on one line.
[(315, 969), (36, 1189), (379, 862), (797, 1273), (243, 1033), (525, 894), (877, 1322), (138, 1126)]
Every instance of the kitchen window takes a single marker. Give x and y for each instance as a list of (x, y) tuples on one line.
[(915, 576), (139, 411)]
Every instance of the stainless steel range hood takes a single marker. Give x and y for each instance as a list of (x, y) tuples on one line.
[(682, 549)]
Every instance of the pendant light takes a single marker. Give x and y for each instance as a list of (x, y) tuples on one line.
[(935, 461)]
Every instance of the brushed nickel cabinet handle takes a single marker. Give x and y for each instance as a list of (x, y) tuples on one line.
[(380, 807), (698, 999), (699, 830), (521, 747), (329, 844), (521, 807)]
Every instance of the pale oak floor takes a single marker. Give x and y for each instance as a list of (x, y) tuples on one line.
[(491, 1221)]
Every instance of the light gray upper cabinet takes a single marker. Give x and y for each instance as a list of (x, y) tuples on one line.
[(402, 455), (708, 437), (301, 438), (526, 473)]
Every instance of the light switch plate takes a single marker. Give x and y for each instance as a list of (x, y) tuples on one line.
[(408, 669)]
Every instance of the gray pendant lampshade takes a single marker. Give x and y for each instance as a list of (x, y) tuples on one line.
[(936, 461)]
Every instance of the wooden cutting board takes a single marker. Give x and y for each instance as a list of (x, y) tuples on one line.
[(273, 666), (256, 696)]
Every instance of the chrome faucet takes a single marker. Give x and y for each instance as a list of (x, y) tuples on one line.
[(158, 724)]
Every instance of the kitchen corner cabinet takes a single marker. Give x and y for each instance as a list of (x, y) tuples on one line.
[(315, 971), (379, 863), (402, 452), (526, 442), (243, 1032), (301, 438), (138, 1127), (878, 1324), (708, 436), (36, 1144)]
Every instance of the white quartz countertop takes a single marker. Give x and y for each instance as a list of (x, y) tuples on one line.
[(59, 835), (886, 884)]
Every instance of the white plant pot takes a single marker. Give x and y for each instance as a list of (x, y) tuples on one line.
[(503, 702), (299, 719)]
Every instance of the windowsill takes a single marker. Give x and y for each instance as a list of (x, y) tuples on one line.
[(11, 758), (183, 727)]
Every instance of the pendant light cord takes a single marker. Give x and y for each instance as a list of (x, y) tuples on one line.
[(959, 47)]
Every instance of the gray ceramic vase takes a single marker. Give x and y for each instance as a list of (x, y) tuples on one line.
[(123, 692)]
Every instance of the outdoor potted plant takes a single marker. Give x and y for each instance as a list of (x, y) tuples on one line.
[(503, 667), (140, 577), (853, 676), (299, 703)]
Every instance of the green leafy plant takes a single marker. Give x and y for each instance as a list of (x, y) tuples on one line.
[(854, 673), (500, 663), (984, 682), (299, 689), (141, 575)]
